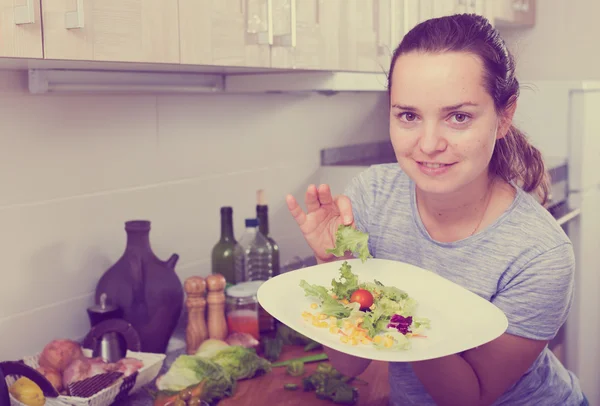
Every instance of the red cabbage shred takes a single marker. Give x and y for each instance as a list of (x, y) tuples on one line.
[(400, 323)]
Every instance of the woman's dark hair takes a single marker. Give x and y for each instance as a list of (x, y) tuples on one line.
[(514, 158)]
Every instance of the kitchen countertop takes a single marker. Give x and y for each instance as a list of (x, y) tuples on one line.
[(264, 389)]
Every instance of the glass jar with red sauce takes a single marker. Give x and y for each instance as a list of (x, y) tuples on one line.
[(242, 308)]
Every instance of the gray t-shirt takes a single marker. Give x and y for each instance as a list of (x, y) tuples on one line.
[(523, 263)]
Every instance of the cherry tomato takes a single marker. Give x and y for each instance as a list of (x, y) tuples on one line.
[(363, 297)]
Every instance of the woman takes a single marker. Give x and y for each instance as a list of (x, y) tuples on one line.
[(460, 204)]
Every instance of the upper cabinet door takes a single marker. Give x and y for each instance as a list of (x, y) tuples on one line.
[(225, 32), (395, 18), (297, 38), (349, 34), (20, 29), (111, 30)]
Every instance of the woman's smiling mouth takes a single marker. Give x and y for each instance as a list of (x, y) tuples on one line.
[(434, 168)]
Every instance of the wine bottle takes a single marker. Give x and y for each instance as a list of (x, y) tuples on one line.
[(262, 214), (222, 253)]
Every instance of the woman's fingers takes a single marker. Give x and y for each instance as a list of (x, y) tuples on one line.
[(325, 194), (295, 210), (312, 199), (345, 208)]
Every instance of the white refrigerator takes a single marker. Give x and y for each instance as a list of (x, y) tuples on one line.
[(563, 120)]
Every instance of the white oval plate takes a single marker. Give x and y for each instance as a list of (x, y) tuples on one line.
[(460, 319)]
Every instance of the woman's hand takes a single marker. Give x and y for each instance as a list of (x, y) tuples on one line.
[(324, 214)]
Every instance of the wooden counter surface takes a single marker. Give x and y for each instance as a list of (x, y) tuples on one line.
[(268, 389)]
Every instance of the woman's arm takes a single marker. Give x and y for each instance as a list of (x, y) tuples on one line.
[(481, 375), (346, 364), (536, 300)]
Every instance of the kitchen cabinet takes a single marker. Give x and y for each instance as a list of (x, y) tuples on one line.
[(111, 30), (514, 13), (20, 29), (225, 32), (394, 19), (282, 34)]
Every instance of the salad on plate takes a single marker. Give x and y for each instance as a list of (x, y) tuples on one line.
[(363, 312)]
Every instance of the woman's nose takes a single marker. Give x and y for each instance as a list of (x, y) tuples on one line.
[(431, 140)]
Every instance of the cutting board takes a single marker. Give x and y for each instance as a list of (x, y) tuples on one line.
[(268, 389)]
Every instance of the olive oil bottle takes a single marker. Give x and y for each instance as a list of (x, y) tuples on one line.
[(222, 253)]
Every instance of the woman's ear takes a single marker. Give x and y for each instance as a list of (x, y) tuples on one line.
[(507, 118)]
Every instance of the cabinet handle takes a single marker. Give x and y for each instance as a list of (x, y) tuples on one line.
[(266, 37), (25, 14), (289, 40), (74, 19)]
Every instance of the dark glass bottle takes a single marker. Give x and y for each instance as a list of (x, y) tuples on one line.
[(262, 214), (222, 253)]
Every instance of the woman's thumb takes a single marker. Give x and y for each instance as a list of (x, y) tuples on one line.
[(345, 208)]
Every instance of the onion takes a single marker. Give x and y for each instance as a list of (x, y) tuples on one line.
[(243, 339), (59, 354), (53, 376)]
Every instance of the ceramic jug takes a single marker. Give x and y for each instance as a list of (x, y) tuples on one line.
[(146, 288)]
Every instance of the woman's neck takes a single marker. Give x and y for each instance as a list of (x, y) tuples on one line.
[(455, 216)]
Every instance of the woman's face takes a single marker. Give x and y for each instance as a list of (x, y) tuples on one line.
[(443, 124)]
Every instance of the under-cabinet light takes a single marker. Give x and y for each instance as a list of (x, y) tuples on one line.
[(80, 81)]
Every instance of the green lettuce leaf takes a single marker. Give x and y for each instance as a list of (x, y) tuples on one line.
[(347, 284), (241, 363), (350, 239), (329, 305)]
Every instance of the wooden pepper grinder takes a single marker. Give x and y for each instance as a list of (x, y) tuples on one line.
[(217, 325), (196, 331)]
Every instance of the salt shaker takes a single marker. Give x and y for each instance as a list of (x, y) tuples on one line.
[(196, 331)]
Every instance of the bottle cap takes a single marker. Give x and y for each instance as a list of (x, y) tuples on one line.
[(251, 222), (244, 289)]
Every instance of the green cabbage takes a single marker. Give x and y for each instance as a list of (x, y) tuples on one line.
[(240, 362)]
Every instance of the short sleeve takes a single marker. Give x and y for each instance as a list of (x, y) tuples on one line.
[(538, 299), (361, 192)]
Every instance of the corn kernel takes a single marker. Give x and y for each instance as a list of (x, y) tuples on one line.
[(359, 320), (334, 329), (354, 341), (347, 325), (344, 339), (345, 301), (332, 319), (322, 316), (306, 315), (377, 339), (314, 306), (373, 306), (365, 340), (315, 323), (388, 342)]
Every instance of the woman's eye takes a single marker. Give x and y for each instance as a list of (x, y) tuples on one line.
[(408, 116), (460, 118)]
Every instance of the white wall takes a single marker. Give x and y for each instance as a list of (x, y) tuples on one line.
[(562, 46), (74, 168)]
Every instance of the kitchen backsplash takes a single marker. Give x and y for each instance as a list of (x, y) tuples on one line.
[(73, 169)]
